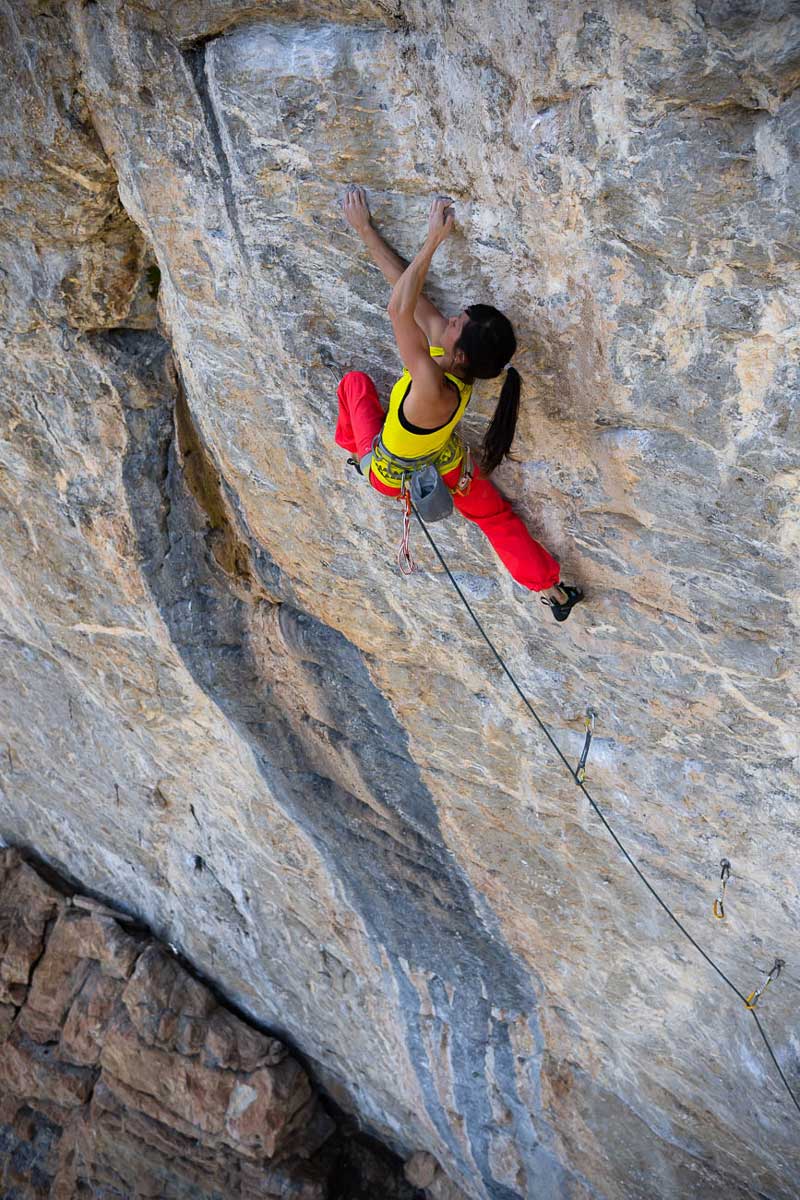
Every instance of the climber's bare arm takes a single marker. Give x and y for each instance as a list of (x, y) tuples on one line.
[(391, 265), (431, 400)]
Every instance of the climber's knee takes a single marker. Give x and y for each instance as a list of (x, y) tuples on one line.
[(356, 379)]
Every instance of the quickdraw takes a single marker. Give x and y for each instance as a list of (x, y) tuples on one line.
[(405, 559), (580, 771), (719, 903), (754, 997), (466, 476)]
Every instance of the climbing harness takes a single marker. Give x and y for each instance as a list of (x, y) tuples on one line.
[(719, 903), (420, 484), (580, 770), (754, 997), (750, 1001), (392, 468)]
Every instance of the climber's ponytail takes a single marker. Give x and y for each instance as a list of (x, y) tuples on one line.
[(488, 343), (500, 434)]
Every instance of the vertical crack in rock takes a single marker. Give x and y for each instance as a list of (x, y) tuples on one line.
[(196, 60), (333, 753), (231, 552)]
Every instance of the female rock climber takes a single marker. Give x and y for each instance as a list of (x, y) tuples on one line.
[(442, 358)]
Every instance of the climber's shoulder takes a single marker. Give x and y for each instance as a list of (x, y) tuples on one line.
[(430, 320), (429, 379)]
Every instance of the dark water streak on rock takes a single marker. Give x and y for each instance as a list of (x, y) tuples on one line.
[(397, 872)]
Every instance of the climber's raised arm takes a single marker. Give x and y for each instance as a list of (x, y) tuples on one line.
[(417, 430), (432, 399), (391, 265), (406, 293)]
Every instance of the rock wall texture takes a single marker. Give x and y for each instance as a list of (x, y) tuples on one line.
[(223, 708), (122, 1075)]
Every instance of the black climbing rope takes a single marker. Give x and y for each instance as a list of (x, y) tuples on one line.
[(578, 780)]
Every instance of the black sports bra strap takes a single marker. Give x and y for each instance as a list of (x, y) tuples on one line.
[(409, 428)]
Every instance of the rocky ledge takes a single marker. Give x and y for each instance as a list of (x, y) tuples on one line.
[(122, 1075)]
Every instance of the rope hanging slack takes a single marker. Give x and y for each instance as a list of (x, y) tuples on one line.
[(612, 833)]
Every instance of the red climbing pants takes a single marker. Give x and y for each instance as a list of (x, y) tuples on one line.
[(361, 417)]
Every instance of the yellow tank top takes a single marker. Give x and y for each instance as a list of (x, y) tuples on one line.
[(439, 445)]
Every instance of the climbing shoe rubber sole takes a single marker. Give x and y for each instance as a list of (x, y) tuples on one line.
[(561, 611)]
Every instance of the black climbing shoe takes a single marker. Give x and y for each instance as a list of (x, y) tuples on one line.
[(355, 464), (562, 611)]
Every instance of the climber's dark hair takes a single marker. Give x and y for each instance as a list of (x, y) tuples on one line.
[(488, 343)]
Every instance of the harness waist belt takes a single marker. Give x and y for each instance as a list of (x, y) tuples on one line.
[(393, 469)]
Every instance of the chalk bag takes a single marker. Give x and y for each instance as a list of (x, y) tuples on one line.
[(430, 495)]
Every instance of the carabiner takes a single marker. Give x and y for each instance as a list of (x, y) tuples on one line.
[(405, 560), (719, 903), (754, 997), (588, 721)]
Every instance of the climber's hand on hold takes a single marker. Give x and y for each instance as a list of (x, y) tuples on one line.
[(440, 221), (356, 209)]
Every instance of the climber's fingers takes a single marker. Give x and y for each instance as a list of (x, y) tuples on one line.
[(440, 206), (442, 218), (355, 207)]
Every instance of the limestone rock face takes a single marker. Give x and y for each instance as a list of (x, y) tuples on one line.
[(120, 1071), (221, 706)]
